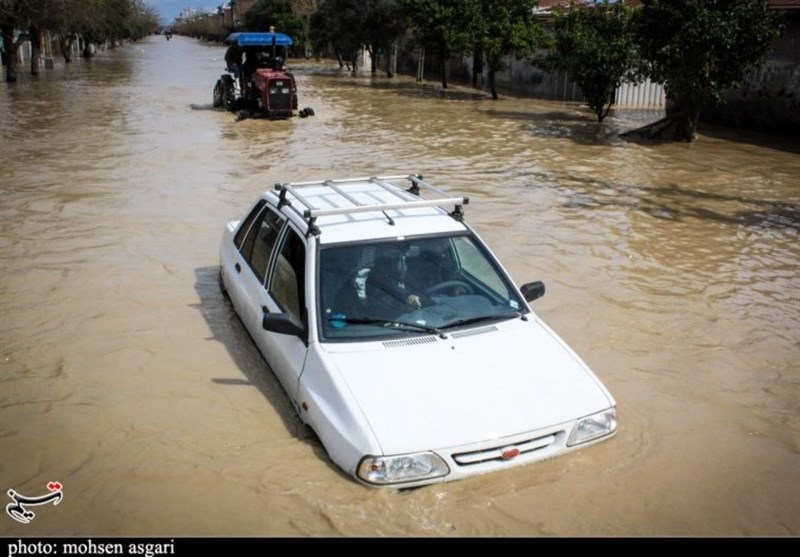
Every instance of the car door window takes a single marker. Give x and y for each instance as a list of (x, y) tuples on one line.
[(260, 241), (288, 276)]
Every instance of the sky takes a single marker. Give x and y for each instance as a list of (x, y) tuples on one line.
[(168, 10)]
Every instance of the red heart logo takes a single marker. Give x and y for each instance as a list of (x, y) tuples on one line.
[(54, 486)]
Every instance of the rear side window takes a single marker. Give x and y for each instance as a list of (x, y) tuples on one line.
[(260, 240), (247, 224)]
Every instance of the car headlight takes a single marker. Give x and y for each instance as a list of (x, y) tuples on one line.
[(594, 426), (383, 470)]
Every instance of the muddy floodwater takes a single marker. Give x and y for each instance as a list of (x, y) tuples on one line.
[(673, 270)]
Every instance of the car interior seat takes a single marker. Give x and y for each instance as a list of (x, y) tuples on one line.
[(339, 287)]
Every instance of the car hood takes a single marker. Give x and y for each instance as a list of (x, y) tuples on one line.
[(427, 393)]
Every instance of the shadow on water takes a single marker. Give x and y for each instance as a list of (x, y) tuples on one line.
[(403, 87), (195, 106), (674, 202), (226, 328), (757, 139), (579, 128)]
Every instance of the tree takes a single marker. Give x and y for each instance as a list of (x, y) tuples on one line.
[(274, 13), (96, 21), (13, 18), (444, 27), (337, 23), (503, 28), (595, 46), (304, 9), (698, 49), (65, 21), (382, 24), (347, 26), (30, 17), (483, 29)]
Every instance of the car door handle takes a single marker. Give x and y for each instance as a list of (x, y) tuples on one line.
[(238, 268)]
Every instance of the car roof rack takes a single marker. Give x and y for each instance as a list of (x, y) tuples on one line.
[(388, 183)]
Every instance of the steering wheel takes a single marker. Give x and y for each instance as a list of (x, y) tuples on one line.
[(450, 286)]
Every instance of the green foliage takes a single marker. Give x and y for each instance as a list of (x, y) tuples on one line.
[(349, 25), (504, 27), (490, 28), (700, 48), (383, 24), (96, 20), (596, 47), (274, 13), (338, 23), (442, 26)]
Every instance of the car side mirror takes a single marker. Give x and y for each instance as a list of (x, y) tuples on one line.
[(282, 323), (532, 290)]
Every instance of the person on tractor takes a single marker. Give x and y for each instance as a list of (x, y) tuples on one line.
[(252, 61), (233, 60)]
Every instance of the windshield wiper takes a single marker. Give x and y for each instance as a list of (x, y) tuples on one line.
[(389, 323), (481, 318)]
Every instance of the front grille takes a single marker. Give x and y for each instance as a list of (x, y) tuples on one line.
[(496, 453), (279, 92), (279, 101)]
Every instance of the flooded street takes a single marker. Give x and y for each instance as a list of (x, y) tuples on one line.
[(673, 270)]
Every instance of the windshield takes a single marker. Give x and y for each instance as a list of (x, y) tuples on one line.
[(411, 286)]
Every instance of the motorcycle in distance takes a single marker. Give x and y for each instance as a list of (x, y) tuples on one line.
[(260, 85)]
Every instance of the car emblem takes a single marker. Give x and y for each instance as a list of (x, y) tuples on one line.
[(509, 453)]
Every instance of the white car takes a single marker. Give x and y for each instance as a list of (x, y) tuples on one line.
[(398, 336)]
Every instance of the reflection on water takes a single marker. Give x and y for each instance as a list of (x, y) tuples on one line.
[(671, 269)]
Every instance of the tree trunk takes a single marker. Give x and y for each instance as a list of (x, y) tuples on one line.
[(443, 57), (36, 48), (66, 43), (601, 115), (391, 60), (492, 84), (10, 54), (477, 66), (679, 124)]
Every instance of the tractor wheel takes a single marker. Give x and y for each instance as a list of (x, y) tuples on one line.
[(228, 95), (219, 94)]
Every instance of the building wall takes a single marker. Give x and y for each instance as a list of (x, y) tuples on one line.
[(232, 15), (523, 78)]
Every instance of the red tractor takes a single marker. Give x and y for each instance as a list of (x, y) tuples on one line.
[(256, 82)]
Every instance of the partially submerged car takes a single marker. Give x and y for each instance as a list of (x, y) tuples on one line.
[(256, 82), (398, 336)]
